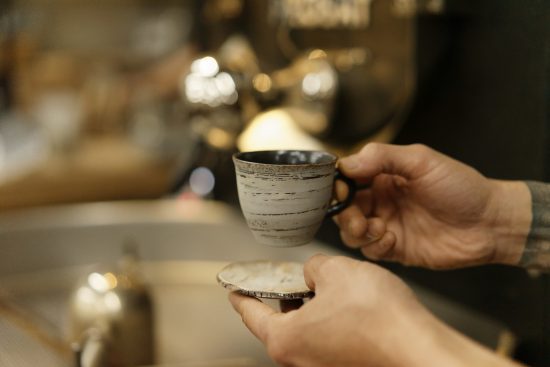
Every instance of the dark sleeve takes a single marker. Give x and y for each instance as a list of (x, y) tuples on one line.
[(537, 248)]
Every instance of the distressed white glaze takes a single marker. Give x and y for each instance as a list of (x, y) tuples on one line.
[(284, 204)]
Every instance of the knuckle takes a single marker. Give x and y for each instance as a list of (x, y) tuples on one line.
[(313, 259), (375, 250), (420, 150), (381, 250), (245, 316), (358, 228), (249, 317), (420, 155), (353, 241), (371, 150), (346, 240), (349, 240), (333, 263)]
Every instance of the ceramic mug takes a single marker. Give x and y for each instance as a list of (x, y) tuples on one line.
[(286, 194)]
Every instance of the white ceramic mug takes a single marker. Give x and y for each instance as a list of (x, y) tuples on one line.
[(286, 194)]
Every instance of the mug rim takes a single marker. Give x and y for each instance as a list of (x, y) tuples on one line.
[(237, 157)]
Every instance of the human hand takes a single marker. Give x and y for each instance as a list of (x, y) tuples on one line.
[(424, 208), (361, 315)]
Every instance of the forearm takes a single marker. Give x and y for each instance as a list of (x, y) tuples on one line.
[(456, 350), (435, 344)]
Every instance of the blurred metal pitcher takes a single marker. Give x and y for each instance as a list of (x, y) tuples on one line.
[(111, 314)]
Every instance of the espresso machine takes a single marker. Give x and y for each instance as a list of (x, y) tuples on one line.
[(301, 75)]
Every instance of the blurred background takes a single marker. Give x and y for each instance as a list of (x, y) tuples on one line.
[(121, 101)]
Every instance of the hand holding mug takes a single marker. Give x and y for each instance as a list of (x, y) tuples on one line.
[(429, 210)]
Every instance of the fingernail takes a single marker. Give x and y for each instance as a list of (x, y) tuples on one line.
[(374, 233), (370, 238)]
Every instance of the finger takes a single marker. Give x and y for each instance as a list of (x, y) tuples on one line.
[(382, 249), (408, 161), (353, 221), (363, 201), (254, 313), (355, 242), (352, 218), (312, 273), (375, 229), (341, 190), (363, 196)]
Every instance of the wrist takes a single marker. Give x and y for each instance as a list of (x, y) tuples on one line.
[(509, 220)]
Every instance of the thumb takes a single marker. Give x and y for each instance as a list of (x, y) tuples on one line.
[(312, 270), (408, 161)]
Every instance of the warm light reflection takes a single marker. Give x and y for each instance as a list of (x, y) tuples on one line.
[(317, 54), (275, 130), (225, 84), (111, 279), (102, 282), (206, 66), (85, 295), (311, 85), (262, 83), (219, 138), (319, 84), (112, 302), (206, 85), (98, 282)]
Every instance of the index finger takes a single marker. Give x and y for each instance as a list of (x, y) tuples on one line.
[(254, 313), (408, 161), (312, 273)]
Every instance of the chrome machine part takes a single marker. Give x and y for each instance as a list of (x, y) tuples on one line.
[(111, 317)]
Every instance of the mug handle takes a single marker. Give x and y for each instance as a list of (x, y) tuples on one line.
[(341, 205)]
